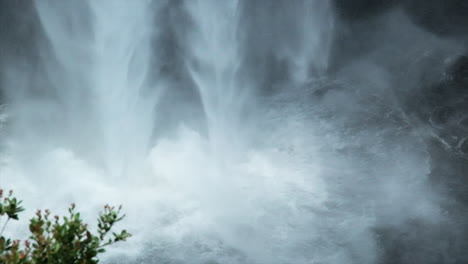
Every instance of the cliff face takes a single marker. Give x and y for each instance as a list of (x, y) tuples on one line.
[(430, 77), (447, 18), (20, 33), (432, 88)]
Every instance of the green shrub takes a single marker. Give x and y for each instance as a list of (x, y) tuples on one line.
[(56, 240)]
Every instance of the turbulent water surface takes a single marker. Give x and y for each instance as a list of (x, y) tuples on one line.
[(237, 131)]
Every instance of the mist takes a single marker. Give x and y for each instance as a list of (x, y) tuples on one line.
[(238, 131)]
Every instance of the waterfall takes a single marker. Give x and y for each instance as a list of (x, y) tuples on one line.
[(220, 125), (102, 55), (214, 58)]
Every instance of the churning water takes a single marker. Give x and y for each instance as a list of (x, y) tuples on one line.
[(218, 127)]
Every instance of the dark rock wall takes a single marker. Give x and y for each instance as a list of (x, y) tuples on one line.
[(438, 100)]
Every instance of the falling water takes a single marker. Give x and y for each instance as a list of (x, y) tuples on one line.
[(271, 158), (213, 64), (103, 49)]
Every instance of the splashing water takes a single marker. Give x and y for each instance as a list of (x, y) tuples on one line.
[(276, 178)]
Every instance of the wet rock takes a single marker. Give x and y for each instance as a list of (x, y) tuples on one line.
[(442, 17), (362, 9)]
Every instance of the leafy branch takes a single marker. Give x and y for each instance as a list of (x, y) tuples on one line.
[(57, 240)]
